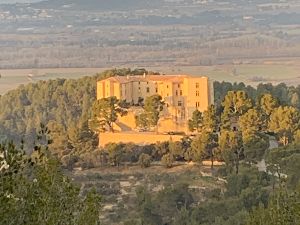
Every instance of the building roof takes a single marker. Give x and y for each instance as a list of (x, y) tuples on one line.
[(159, 78)]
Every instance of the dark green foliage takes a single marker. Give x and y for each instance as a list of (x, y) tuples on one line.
[(148, 212), (105, 113), (152, 108), (203, 146), (63, 101), (281, 92), (115, 153), (196, 123), (283, 209), (67, 102), (285, 161), (255, 147), (33, 190), (163, 207)]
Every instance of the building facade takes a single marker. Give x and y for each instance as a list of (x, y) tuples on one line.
[(182, 94)]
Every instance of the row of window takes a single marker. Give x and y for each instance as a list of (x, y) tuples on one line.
[(176, 92), (180, 93), (148, 90)]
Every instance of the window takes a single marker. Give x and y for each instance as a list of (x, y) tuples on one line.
[(156, 90), (179, 103), (178, 85), (148, 89), (167, 86), (180, 92), (139, 82), (147, 82), (197, 104), (197, 93), (176, 93), (139, 89), (197, 85)]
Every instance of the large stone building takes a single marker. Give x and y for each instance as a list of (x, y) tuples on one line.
[(182, 95)]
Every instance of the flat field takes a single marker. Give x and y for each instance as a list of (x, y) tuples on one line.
[(270, 71)]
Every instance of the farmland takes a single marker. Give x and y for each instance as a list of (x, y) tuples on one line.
[(252, 74)]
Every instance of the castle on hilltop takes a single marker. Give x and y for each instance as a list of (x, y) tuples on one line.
[(182, 95)]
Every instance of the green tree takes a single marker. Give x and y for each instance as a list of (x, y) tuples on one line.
[(283, 163), (172, 199), (60, 138), (250, 123), (33, 190), (196, 123), (210, 119), (203, 146), (115, 153), (295, 100), (153, 106), (231, 145), (142, 121), (267, 104), (147, 209), (255, 142), (82, 138), (255, 147), (235, 104), (105, 113), (176, 150), (284, 122), (283, 209)]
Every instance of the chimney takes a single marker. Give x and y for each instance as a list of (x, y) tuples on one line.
[(144, 75)]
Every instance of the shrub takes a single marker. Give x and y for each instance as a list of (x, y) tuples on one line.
[(69, 161), (144, 160), (167, 160)]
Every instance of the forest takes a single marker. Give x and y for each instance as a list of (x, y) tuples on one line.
[(50, 122)]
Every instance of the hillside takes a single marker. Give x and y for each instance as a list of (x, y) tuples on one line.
[(119, 187)]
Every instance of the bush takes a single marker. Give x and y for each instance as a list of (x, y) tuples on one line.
[(167, 160), (69, 161), (144, 160)]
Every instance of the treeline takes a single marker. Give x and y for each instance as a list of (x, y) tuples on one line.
[(65, 105), (61, 102), (286, 95)]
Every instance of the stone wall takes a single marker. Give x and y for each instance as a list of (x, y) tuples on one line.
[(136, 138)]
